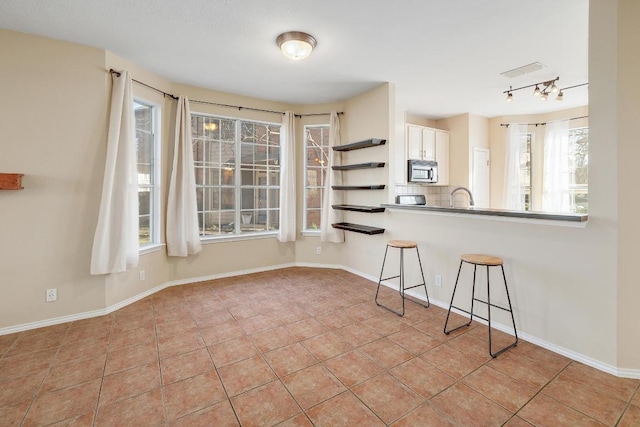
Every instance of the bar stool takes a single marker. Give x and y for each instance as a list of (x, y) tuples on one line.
[(489, 261), (402, 245)]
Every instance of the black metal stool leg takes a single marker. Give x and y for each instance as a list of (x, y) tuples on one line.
[(384, 260), (401, 290), (473, 295), (402, 278), (424, 282), (451, 304), (510, 310)]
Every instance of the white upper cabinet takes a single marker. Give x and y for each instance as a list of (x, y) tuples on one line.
[(425, 143)]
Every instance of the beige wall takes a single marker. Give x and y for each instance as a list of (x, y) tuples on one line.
[(420, 121), (627, 105), (53, 121)]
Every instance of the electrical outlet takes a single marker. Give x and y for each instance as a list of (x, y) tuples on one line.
[(52, 295), (318, 250), (142, 275), (438, 280)]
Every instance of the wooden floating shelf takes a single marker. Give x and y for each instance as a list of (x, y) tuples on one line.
[(11, 181), (373, 142), (357, 187), (358, 208), (358, 166), (358, 228)]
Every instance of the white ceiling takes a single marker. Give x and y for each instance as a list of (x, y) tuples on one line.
[(444, 56)]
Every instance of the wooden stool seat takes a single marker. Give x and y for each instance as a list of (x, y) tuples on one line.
[(479, 259), (406, 244), (402, 245)]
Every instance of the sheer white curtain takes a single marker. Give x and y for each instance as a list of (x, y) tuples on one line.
[(516, 146), (287, 229), (556, 178), (115, 243), (183, 234), (330, 197)]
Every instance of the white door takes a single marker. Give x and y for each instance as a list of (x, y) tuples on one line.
[(480, 185)]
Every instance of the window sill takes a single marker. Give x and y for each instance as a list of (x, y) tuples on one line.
[(237, 237), (155, 247), (311, 233)]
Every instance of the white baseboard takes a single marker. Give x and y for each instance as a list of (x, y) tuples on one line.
[(610, 369)]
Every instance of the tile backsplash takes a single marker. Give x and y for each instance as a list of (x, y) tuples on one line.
[(435, 195)]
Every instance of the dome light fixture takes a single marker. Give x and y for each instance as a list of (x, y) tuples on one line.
[(296, 45)]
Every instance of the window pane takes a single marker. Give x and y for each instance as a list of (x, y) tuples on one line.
[(215, 144), (316, 160), (313, 219), (248, 198), (145, 152), (314, 198), (274, 199), (579, 167), (227, 198)]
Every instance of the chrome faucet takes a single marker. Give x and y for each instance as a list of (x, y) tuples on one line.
[(463, 189)]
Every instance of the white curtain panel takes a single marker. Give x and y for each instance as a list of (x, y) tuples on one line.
[(183, 234), (287, 229), (330, 197), (513, 196), (115, 243), (556, 178)]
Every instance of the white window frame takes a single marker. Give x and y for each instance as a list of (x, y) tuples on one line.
[(156, 211), (305, 230), (237, 234)]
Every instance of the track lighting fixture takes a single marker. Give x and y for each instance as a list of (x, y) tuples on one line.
[(548, 87), (509, 97), (536, 92)]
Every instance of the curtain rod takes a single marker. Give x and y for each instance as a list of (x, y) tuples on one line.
[(542, 123), (238, 107)]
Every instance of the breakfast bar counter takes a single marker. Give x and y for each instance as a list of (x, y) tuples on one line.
[(569, 218)]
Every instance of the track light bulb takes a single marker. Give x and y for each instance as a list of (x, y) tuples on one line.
[(544, 96), (536, 91), (560, 96), (509, 97), (554, 88)]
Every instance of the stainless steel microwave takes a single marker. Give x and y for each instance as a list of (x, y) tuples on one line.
[(422, 171)]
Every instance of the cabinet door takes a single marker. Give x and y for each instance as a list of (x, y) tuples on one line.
[(414, 142), (428, 144), (442, 157)]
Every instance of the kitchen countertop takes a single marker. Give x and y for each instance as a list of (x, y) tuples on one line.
[(575, 218)]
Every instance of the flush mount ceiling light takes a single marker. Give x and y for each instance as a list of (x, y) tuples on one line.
[(296, 45), (548, 87)]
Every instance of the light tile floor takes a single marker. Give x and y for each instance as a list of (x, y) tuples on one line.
[(293, 347)]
